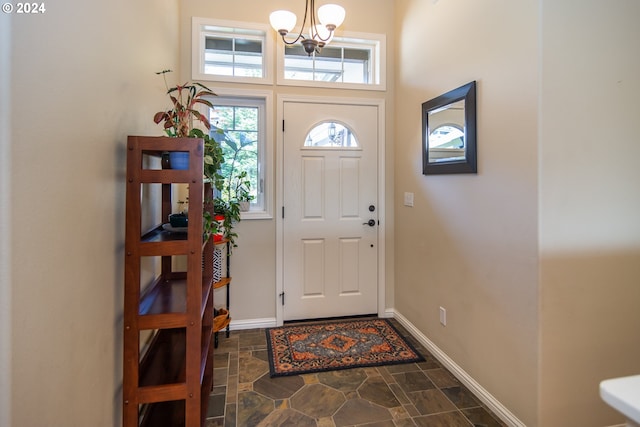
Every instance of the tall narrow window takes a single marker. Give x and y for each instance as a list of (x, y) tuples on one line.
[(243, 144)]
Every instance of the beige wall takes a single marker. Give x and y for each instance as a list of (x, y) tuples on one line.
[(254, 288), (589, 206), (469, 244), (537, 257), (83, 79)]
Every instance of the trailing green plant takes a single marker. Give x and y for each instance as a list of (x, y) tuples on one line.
[(213, 158), (209, 224), (230, 210)]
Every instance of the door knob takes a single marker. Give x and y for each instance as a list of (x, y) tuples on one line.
[(370, 223)]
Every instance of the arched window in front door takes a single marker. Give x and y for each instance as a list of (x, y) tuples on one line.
[(331, 134)]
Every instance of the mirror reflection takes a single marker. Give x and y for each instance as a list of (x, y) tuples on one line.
[(446, 133), (449, 132)]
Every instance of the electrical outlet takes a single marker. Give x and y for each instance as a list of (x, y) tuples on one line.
[(443, 316)]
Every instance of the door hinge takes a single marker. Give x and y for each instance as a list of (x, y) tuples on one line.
[(282, 297), (283, 212), (283, 126)]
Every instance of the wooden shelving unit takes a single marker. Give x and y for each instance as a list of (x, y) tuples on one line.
[(168, 315)]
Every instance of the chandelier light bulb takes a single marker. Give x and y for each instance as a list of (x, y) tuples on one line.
[(331, 16), (283, 21), (321, 34)]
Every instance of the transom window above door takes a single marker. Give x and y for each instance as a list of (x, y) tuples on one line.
[(241, 52), (231, 51), (331, 134), (353, 61)]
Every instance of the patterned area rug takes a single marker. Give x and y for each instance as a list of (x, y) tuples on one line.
[(318, 347)]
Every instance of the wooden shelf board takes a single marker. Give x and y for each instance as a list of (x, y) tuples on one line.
[(168, 298), (222, 325), (164, 297), (222, 283), (158, 234)]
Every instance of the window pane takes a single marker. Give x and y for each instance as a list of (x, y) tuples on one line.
[(297, 65), (233, 56), (328, 65), (217, 43), (240, 146), (334, 63), (356, 65), (218, 62), (331, 134), (249, 46)]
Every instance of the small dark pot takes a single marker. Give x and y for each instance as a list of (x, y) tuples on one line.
[(178, 220)]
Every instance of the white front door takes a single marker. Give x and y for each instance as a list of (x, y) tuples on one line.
[(330, 224)]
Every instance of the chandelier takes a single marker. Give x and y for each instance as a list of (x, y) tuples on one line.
[(319, 35)]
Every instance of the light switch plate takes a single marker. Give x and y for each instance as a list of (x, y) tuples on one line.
[(408, 199), (443, 316)]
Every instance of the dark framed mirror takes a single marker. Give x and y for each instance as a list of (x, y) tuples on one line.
[(449, 132)]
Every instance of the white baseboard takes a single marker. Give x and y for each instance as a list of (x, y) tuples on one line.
[(268, 322), (492, 403)]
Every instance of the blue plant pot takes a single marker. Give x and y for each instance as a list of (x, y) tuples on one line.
[(179, 160)]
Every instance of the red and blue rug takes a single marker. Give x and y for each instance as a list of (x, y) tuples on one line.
[(318, 347)]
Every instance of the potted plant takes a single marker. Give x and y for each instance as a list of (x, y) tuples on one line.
[(178, 122)]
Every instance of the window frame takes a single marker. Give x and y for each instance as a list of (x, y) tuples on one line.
[(264, 101), (198, 44), (346, 39)]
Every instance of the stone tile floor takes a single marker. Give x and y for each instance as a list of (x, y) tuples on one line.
[(416, 394)]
